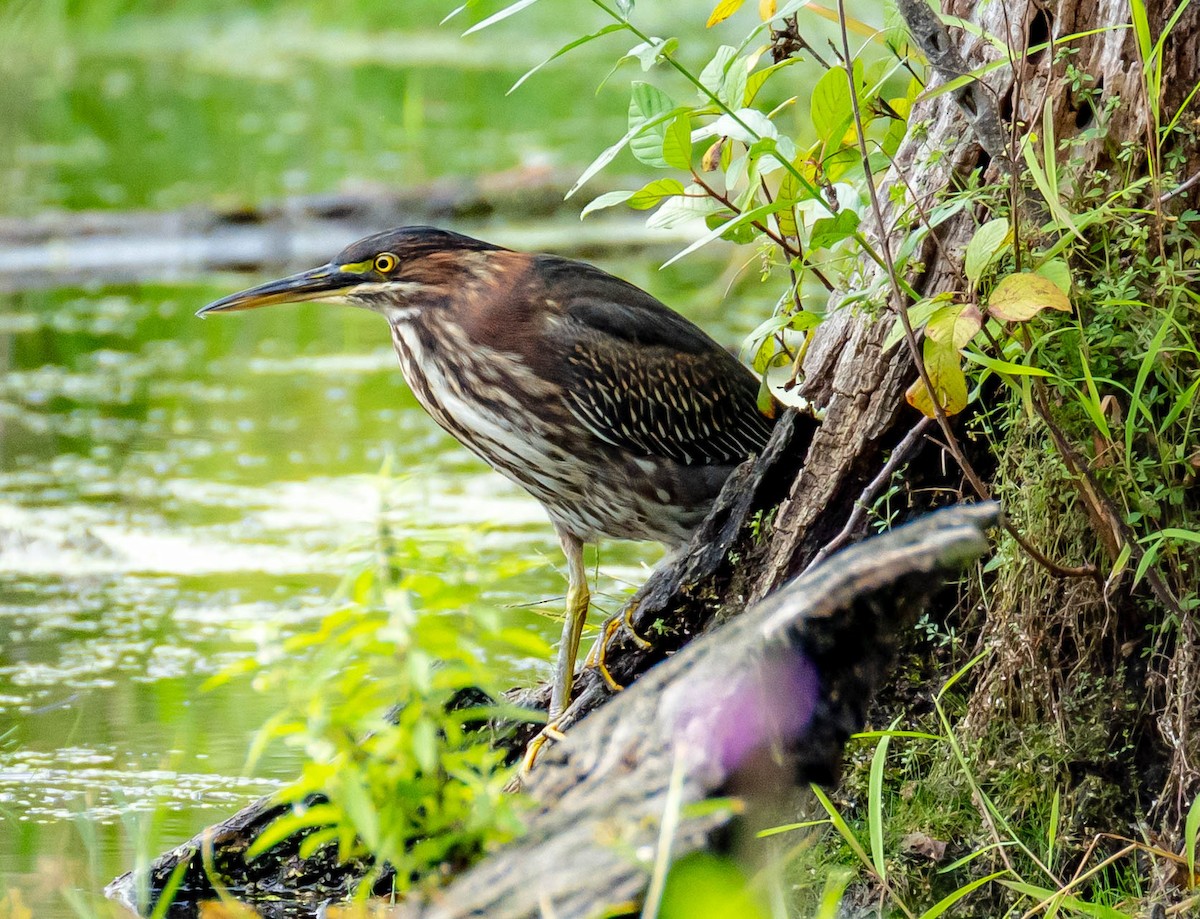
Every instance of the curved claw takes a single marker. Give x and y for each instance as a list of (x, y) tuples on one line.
[(549, 733), (596, 656)]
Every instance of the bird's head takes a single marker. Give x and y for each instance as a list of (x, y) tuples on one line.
[(389, 272)]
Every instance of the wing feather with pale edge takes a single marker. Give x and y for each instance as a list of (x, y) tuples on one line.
[(643, 378)]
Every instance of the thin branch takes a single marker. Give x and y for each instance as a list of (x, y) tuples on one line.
[(779, 240), (1179, 189), (899, 456)]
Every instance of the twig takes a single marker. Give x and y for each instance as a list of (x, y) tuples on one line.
[(779, 240), (1179, 189), (867, 498)]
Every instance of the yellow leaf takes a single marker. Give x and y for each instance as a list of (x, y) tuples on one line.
[(766, 9), (954, 325), (944, 367), (13, 906), (1020, 297), (854, 25), (723, 11)]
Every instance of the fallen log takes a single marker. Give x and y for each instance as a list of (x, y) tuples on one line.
[(63, 249), (796, 673)]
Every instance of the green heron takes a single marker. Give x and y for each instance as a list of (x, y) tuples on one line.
[(620, 416)]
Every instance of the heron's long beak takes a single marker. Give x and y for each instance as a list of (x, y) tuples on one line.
[(324, 283)]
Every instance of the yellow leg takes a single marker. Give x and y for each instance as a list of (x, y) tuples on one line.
[(578, 600)]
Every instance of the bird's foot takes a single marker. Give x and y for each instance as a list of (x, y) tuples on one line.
[(550, 733), (596, 656)]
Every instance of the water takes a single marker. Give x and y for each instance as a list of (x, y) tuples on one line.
[(177, 495)]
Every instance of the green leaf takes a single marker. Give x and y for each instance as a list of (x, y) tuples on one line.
[(1021, 296), (501, 15), (677, 143), (875, 805), (1058, 271), (569, 46), (733, 87), (743, 219), (354, 796), (684, 210), (1007, 367), (646, 103), (840, 824), (649, 53), (712, 77), (788, 194), (829, 231), (653, 192), (987, 243), (951, 898), (1191, 830), (790, 828), (755, 81), (1179, 533), (1040, 894), (648, 108), (611, 152), (747, 125), (425, 744), (608, 199), (290, 822), (832, 108), (918, 315)]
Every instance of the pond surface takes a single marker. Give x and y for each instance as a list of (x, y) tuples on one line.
[(178, 495)]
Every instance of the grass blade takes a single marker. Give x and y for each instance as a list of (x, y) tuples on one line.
[(951, 898), (1191, 829), (875, 804)]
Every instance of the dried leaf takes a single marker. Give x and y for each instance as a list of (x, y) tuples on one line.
[(1020, 297), (923, 846), (712, 156)]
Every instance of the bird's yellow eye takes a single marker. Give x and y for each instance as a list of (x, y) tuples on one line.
[(385, 262)]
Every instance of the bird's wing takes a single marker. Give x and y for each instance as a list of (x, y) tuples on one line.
[(643, 378)]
